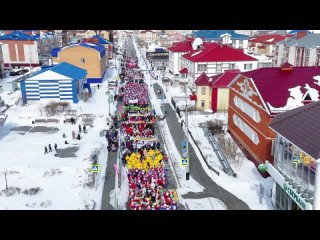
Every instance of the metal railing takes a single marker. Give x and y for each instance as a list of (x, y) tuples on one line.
[(218, 151)]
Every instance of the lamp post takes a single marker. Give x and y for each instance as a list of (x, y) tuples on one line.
[(108, 95), (186, 135)]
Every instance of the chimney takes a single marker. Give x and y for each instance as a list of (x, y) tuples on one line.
[(301, 34), (286, 67)]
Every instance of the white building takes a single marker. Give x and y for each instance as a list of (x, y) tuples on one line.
[(300, 51), (214, 58)]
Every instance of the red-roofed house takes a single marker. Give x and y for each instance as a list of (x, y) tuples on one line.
[(176, 51), (213, 92), (203, 92), (214, 58), (255, 97), (265, 44)]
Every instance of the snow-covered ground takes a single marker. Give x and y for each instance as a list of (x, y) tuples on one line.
[(245, 186), (62, 181)]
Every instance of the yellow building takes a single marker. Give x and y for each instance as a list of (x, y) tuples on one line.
[(213, 92), (89, 56), (203, 92)]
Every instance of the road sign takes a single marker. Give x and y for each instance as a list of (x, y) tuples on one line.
[(183, 143), (95, 168), (184, 162)]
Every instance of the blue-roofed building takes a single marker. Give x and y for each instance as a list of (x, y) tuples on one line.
[(63, 82), (89, 56), (229, 37)]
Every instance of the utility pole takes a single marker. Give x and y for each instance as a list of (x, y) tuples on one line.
[(186, 135), (5, 176)]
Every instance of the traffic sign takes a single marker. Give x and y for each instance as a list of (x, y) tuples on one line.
[(184, 162), (183, 143), (95, 168)]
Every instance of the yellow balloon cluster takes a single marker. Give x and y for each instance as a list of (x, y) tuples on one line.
[(153, 157)]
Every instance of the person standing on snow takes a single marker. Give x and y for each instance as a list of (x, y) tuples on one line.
[(80, 128), (55, 146), (50, 149), (45, 150)]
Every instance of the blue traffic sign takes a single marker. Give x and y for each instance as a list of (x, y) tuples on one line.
[(95, 168), (184, 162)]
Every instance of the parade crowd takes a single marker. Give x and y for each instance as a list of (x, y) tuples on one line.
[(145, 159)]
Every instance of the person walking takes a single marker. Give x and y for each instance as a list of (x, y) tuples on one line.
[(79, 128), (50, 149), (45, 150), (55, 146), (98, 86), (78, 136), (73, 135), (84, 129)]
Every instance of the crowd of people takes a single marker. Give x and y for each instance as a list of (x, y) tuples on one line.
[(144, 158)]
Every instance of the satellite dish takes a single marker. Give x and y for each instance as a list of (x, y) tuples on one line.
[(197, 42)]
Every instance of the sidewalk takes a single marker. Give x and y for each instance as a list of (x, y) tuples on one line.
[(196, 170)]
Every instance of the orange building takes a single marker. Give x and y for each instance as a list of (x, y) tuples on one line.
[(255, 97)]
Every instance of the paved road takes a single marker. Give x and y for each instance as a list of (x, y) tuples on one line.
[(196, 170)]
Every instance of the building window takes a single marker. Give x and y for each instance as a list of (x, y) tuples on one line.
[(203, 90), (240, 43), (248, 66), (219, 68), (82, 60), (248, 131), (232, 66), (247, 109), (202, 67), (202, 103)]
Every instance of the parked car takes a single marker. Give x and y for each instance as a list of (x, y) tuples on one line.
[(16, 72)]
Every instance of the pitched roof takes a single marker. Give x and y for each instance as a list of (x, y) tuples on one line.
[(184, 70), (98, 47), (308, 41), (301, 126), (274, 84), (184, 46), (296, 31), (101, 40), (222, 80), (214, 52), (18, 35), (63, 70), (216, 34), (203, 80), (269, 38)]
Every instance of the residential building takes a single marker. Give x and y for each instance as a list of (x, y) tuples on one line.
[(64, 82), (296, 166), (2, 71), (255, 97), (148, 36), (302, 50), (215, 58), (228, 37), (20, 49), (203, 92), (213, 92), (265, 44), (175, 53), (89, 56)]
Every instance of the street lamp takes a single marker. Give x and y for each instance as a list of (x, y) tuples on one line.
[(186, 135), (108, 95)]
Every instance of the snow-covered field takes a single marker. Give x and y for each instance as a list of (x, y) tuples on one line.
[(62, 182)]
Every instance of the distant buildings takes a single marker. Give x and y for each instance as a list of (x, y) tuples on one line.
[(296, 167), (227, 37), (175, 54), (20, 49), (255, 97), (265, 44), (148, 36), (301, 50), (2, 71), (63, 82), (89, 56)]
